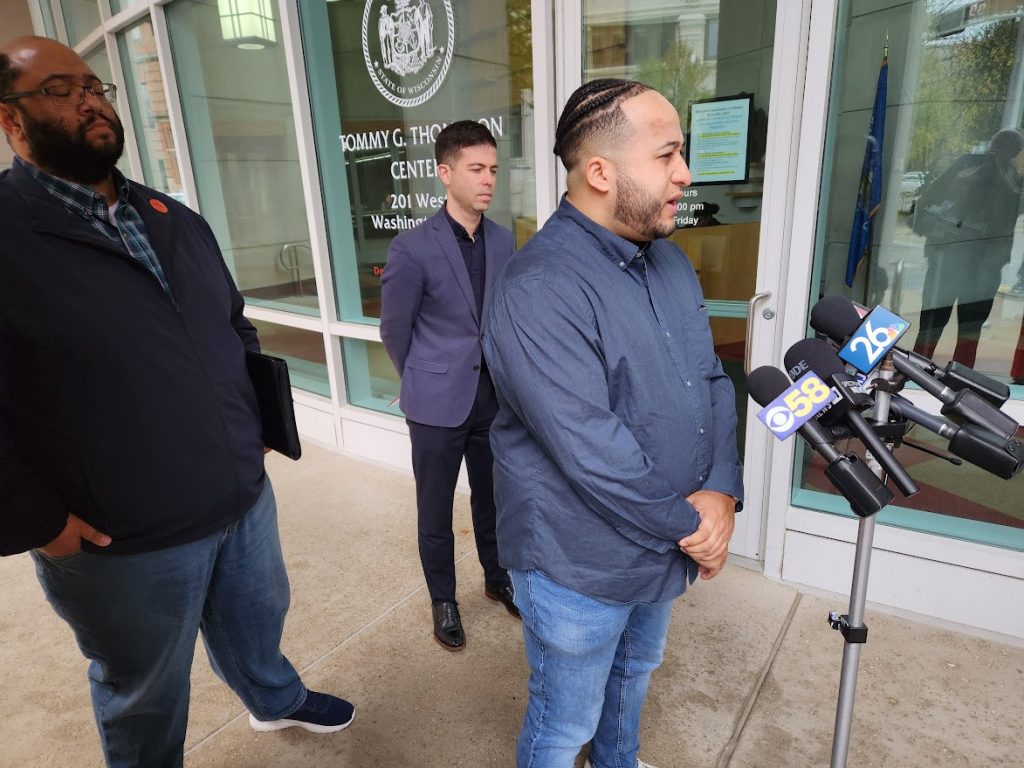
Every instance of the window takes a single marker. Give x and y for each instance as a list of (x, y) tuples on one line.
[(46, 16), (241, 132), (430, 63), (711, 39), (370, 378), (99, 63), (304, 351), (144, 86), (80, 18), (116, 6), (455, 60), (947, 246)]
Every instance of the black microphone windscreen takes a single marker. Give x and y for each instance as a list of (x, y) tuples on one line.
[(766, 383), (813, 355), (836, 317)]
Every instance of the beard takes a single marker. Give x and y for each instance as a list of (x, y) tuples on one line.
[(68, 153), (639, 210)]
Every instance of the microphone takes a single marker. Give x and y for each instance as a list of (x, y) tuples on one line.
[(848, 474), (958, 376), (817, 356), (798, 360), (838, 318), (959, 405), (1002, 458)]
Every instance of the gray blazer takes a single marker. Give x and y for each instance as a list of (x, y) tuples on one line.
[(428, 318)]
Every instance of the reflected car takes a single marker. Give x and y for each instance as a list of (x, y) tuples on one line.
[(910, 190)]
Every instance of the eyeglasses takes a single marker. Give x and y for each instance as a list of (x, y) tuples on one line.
[(67, 95)]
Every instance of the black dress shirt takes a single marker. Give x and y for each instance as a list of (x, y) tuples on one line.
[(473, 254)]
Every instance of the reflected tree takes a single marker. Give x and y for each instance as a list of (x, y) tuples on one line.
[(962, 92), (680, 77)]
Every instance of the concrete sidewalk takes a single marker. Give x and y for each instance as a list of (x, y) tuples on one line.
[(750, 675)]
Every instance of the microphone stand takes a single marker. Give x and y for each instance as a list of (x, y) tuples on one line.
[(852, 627)]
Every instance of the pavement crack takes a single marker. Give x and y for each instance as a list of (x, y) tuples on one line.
[(325, 654), (741, 722)]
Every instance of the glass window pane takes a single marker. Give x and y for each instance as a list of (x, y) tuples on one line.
[(694, 51), (146, 96), (425, 65), (80, 18), (99, 63), (947, 241), (370, 377), (46, 14), (241, 132), (116, 6), (304, 351)]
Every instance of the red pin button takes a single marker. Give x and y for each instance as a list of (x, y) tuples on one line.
[(157, 205)]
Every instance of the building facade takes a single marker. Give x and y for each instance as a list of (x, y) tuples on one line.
[(303, 131)]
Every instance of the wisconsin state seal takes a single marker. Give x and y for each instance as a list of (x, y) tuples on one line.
[(408, 47)]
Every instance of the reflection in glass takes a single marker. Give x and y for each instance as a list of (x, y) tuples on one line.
[(947, 251), (947, 239), (80, 18), (146, 96), (380, 178), (241, 131), (116, 6), (304, 351), (691, 51), (46, 15), (99, 63), (370, 377)]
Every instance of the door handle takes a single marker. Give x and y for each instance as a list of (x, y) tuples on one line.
[(769, 313)]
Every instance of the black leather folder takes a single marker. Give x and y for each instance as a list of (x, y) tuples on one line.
[(274, 393)]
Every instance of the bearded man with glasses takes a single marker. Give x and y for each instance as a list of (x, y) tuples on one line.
[(131, 456)]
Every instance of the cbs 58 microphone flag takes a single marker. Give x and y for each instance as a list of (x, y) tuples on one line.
[(869, 195)]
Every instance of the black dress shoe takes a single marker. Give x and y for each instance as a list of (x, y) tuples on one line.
[(448, 626), (504, 595)]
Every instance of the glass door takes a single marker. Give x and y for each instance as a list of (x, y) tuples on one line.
[(713, 59)]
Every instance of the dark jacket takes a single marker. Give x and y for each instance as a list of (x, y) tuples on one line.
[(973, 202), (428, 319), (116, 406)]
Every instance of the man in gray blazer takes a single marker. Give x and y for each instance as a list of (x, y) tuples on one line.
[(434, 289)]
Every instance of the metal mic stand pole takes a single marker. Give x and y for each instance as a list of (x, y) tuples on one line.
[(852, 625)]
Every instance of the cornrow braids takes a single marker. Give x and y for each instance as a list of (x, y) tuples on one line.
[(593, 109)]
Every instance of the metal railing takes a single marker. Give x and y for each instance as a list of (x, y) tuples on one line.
[(290, 261)]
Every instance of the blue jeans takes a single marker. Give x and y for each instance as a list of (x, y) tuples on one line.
[(590, 663), (136, 618)]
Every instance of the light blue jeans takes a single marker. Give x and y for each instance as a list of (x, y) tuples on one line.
[(136, 618), (590, 664)]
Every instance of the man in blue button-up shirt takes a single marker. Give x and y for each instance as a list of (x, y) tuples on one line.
[(616, 470)]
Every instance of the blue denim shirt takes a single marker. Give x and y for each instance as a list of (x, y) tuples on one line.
[(614, 408)]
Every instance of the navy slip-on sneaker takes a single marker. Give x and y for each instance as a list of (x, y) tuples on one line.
[(319, 713)]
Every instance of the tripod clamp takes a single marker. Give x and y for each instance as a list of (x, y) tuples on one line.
[(842, 623), (891, 385)]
